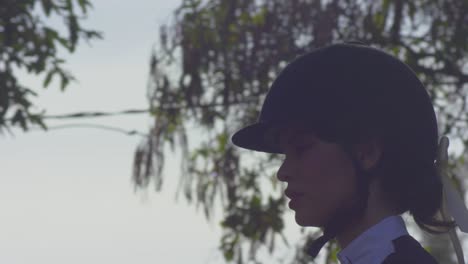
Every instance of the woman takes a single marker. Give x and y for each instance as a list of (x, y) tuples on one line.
[(360, 137)]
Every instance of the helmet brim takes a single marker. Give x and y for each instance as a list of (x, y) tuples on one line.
[(258, 137)]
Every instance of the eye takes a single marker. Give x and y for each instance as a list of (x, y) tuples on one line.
[(301, 149)]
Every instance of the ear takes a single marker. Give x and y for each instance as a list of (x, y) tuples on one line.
[(369, 153)]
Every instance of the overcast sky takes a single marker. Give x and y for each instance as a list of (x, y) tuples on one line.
[(66, 195)]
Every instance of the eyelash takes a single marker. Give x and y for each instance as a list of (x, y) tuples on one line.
[(302, 149)]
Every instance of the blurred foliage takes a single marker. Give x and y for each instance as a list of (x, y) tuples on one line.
[(28, 43), (213, 68)]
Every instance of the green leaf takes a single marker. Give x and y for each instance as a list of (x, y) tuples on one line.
[(48, 78), (90, 34), (83, 5), (411, 9), (47, 6), (379, 20), (64, 42), (229, 254), (222, 140), (19, 118), (37, 119), (428, 248), (255, 202), (259, 18), (64, 81), (73, 30)]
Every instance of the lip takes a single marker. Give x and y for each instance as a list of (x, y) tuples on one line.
[(293, 194), (294, 197), (294, 201)]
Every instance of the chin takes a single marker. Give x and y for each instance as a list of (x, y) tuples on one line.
[(310, 221)]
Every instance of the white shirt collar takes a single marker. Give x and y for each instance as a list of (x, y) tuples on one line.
[(374, 244)]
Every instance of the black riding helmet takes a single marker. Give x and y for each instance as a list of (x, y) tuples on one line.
[(346, 93)]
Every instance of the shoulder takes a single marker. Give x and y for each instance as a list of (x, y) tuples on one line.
[(408, 250)]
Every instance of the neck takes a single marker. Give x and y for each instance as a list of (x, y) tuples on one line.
[(349, 234), (377, 209)]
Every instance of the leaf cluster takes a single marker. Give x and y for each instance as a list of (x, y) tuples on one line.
[(28, 43)]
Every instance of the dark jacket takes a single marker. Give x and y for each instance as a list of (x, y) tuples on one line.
[(408, 250)]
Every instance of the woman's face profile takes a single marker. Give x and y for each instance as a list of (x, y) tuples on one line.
[(319, 171)]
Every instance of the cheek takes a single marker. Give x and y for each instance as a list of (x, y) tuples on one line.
[(338, 178), (330, 168), (320, 199), (323, 172), (330, 184)]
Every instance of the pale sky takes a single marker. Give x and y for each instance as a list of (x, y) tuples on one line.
[(66, 195)]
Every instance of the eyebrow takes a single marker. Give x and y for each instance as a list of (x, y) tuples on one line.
[(298, 135)]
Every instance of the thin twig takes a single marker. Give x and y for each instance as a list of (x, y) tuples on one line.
[(104, 127)]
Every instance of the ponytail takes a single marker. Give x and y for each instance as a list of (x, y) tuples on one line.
[(413, 184), (427, 202)]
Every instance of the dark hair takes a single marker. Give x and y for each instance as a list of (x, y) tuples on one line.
[(414, 185)]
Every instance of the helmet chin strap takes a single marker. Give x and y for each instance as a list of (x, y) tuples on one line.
[(343, 217)]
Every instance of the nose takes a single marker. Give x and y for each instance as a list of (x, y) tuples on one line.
[(282, 173)]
